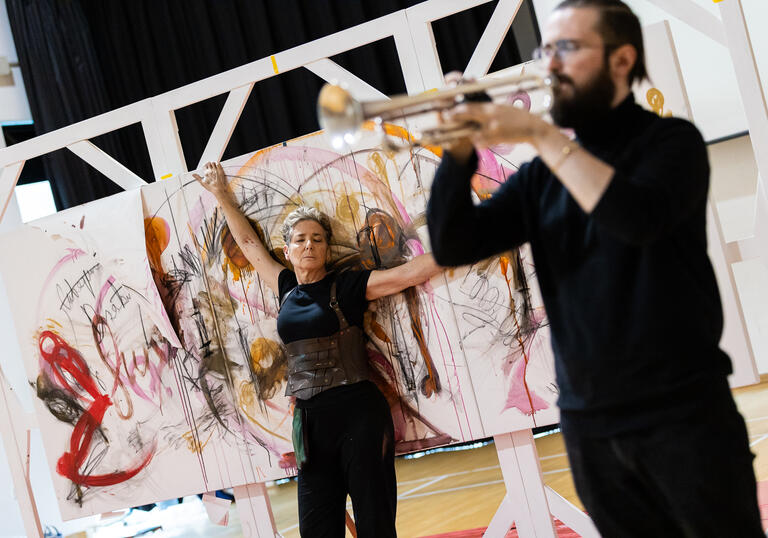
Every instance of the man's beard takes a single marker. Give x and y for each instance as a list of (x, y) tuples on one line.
[(587, 104)]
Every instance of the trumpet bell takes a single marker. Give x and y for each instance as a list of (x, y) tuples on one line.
[(340, 115)]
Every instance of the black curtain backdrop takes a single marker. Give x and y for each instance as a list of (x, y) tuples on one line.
[(80, 58)]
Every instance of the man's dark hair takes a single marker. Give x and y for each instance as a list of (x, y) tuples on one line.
[(618, 26)]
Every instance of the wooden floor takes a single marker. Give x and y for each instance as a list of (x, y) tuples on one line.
[(459, 490)]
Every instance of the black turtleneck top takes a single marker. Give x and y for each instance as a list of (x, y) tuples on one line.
[(629, 290)]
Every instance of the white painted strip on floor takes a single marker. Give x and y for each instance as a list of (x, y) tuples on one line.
[(458, 473), (761, 438), (446, 490), (553, 456), (458, 488), (422, 486), (478, 469), (756, 419), (554, 471), (281, 531), (410, 495)]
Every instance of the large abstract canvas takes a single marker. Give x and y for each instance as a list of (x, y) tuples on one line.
[(152, 347), (430, 347), (99, 350)]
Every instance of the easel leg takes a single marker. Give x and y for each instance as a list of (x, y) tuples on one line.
[(526, 501), (569, 514), (502, 520), (10, 407), (255, 511)]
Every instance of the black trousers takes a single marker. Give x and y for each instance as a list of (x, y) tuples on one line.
[(691, 478), (350, 451)]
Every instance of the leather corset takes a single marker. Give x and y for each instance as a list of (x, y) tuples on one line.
[(318, 364)]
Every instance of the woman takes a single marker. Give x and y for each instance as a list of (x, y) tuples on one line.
[(343, 432)]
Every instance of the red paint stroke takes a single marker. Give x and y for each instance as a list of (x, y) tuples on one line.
[(287, 462), (72, 374)]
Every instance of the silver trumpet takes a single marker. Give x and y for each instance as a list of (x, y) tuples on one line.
[(342, 116)]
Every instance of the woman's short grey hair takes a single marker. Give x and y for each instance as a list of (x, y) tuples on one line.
[(304, 212)]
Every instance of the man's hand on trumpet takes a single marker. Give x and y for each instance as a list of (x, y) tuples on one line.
[(496, 123)]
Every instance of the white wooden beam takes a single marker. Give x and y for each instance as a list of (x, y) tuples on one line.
[(735, 339), (408, 56), (492, 38), (568, 513), (225, 125), (82, 130), (432, 10), (163, 143), (255, 510), (742, 250), (419, 19), (696, 17), (105, 164), (330, 71), (660, 46), (8, 179), (428, 57), (753, 98), (287, 60), (761, 218), (16, 447), (392, 25), (525, 502)]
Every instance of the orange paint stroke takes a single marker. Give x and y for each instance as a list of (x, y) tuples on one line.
[(403, 134), (432, 382), (247, 396), (157, 235), (504, 263), (193, 445)]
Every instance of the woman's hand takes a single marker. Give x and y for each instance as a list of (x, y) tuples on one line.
[(214, 180)]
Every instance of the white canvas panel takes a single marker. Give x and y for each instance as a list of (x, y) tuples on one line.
[(99, 350)]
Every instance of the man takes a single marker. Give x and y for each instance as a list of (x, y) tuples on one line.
[(616, 222)]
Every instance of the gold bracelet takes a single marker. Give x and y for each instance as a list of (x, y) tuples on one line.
[(569, 148)]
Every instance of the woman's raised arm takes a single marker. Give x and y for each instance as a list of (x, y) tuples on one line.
[(384, 282), (215, 181)]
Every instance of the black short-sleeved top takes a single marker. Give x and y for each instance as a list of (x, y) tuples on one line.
[(307, 313)]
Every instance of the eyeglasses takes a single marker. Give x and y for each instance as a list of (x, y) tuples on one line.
[(562, 49)]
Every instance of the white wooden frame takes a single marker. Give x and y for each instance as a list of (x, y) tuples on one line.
[(731, 31), (420, 64)]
